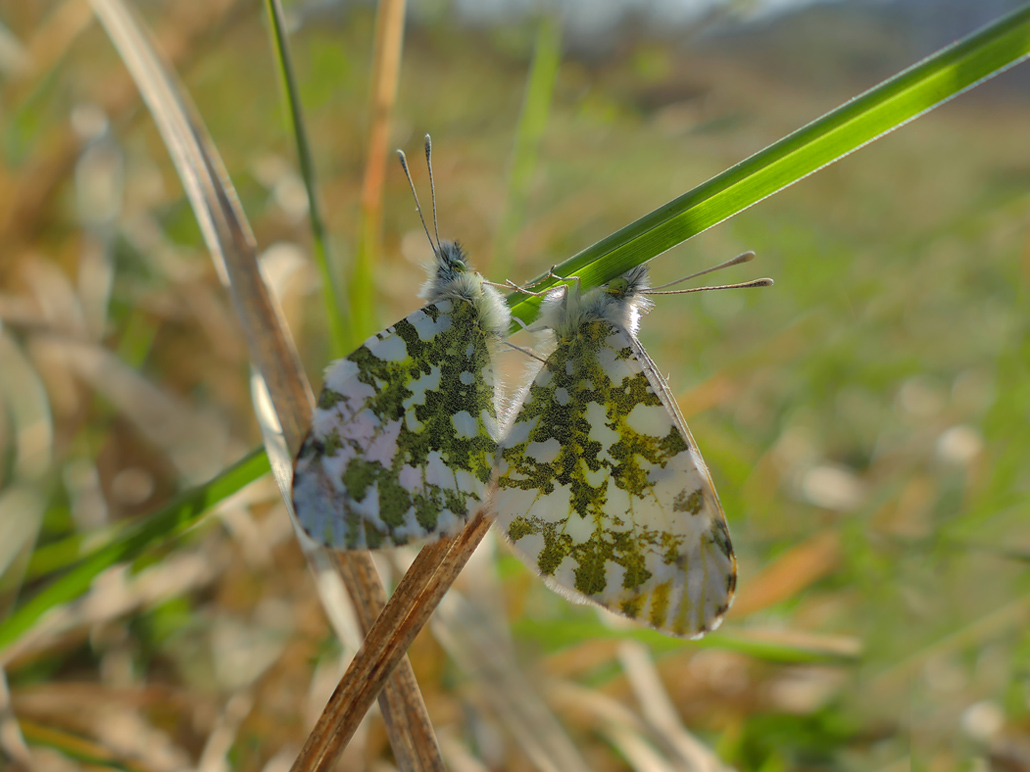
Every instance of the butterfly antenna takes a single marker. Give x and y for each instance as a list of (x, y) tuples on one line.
[(746, 257), (418, 206), (742, 285), (432, 186)]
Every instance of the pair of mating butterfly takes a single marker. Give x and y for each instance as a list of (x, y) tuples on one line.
[(592, 472)]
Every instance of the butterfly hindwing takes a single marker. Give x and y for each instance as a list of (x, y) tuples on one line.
[(404, 434), (602, 489)]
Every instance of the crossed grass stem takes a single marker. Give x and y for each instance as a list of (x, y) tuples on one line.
[(418, 594)]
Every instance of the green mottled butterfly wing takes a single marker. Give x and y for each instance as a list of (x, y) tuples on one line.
[(603, 491), (404, 436)]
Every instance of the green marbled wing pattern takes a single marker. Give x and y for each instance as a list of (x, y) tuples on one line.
[(601, 488), (404, 436)]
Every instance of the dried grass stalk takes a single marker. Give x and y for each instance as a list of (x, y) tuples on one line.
[(233, 248)]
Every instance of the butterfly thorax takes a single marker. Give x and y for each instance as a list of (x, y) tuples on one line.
[(619, 304)]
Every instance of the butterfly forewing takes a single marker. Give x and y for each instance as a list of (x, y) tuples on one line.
[(603, 490), (404, 435)]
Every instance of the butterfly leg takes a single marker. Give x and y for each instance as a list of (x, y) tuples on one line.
[(570, 279), (525, 351), (550, 275), (512, 285)]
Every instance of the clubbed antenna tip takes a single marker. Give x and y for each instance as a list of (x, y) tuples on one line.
[(432, 185), (744, 257), (742, 285), (418, 206)]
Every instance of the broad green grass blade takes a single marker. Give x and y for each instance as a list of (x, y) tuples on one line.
[(157, 529), (536, 106), (58, 555), (928, 84), (333, 297)]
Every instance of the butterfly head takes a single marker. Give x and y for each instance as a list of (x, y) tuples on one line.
[(630, 287), (451, 261), (450, 275)]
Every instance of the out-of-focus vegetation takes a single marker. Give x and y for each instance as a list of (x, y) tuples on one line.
[(864, 419)]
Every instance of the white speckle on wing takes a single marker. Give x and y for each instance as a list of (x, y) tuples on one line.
[(464, 424)]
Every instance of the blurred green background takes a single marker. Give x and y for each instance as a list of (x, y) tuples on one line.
[(865, 420)]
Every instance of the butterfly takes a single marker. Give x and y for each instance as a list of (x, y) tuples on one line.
[(601, 487), (404, 435)]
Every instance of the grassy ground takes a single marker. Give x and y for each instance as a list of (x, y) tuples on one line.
[(864, 419)]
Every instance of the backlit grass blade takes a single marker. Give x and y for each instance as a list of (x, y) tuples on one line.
[(928, 84), (133, 542)]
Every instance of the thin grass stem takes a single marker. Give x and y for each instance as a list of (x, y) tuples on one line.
[(334, 300), (408, 610)]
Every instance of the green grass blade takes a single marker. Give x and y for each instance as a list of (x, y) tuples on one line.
[(333, 297), (57, 555), (157, 529), (893, 103)]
